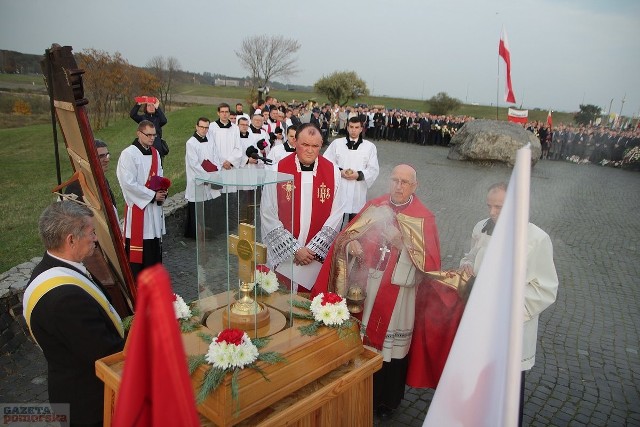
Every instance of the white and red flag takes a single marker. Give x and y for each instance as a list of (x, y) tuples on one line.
[(480, 384), (503, 51), (549, 120), (518, 116)]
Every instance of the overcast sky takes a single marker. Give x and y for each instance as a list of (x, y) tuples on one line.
[(563, 52)]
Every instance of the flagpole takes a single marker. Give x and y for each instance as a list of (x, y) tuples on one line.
[(498, 86), (521, 177)]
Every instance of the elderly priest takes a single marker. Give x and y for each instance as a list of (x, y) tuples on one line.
[(386, 250)]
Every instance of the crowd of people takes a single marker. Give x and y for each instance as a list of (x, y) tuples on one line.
[(579, 144), (585, 144), (378, 122)]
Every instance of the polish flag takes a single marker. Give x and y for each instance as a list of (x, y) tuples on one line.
[(549, 120), (503, 51), (518, 116)]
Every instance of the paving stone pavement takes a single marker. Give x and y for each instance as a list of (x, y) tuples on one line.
[(587, 370)]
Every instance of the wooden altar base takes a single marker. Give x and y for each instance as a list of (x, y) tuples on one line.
[(343, 397), (326, 381)]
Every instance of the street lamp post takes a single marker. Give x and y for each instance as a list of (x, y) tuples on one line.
[(621, 105)]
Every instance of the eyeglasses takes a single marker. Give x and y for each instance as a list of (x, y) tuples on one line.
[(401, 182), (149, 135), (104, 156), (203, 127)]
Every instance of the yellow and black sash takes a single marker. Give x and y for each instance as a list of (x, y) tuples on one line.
[(60, 276)]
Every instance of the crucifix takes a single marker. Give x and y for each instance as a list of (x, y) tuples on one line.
[(384, 250), (249, 252)]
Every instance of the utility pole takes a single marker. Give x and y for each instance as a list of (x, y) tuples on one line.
[(621, 105)]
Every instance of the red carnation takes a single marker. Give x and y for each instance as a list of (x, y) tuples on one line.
[(330, 298), (231, 336), (262, 268)]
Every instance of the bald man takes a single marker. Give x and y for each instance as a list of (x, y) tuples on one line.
[(395, 240)]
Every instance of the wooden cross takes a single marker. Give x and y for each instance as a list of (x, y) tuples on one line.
[(248, 251)]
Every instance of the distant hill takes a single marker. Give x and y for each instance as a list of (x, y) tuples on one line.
[(12, 62), (215, 79)]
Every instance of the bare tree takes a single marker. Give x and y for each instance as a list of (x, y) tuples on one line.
[(165, 70), (173, 67), (268, 57)]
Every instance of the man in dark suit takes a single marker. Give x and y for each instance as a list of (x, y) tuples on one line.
[(69, 315)]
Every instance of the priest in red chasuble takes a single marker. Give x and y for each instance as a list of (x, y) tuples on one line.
[(300, 219), (386, 250)]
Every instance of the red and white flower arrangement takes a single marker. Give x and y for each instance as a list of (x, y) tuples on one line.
[(326, 309), (266, 280), (330, 309), (229, 352), (186, 315), (232, 348), (181, 308)]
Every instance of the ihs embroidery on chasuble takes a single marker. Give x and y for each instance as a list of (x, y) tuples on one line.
[(324, 193)]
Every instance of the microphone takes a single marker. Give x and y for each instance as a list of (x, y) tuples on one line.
[(262, 144), (253, 153)]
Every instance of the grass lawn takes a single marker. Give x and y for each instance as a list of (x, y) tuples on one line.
[(27, 173)]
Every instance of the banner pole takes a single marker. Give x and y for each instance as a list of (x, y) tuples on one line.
[(498, 84)]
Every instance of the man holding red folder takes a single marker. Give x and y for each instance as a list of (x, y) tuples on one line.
[(144, 189), (198, 162)]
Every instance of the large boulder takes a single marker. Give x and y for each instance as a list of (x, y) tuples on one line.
[(492, 141)]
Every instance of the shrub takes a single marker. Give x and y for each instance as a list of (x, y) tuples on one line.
[(21, 107)]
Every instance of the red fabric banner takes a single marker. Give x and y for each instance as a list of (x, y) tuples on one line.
[(156, 388)]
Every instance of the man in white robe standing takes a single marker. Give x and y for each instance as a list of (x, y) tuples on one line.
[(199, 162), (227, 153), (144, 219), (541, 286), (297, 242), (357, 159)]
